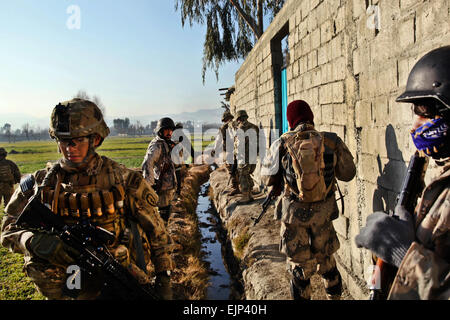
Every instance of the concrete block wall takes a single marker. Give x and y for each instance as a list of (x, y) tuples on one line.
[(350, 59)]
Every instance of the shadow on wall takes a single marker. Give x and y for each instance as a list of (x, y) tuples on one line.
[(391, 176)]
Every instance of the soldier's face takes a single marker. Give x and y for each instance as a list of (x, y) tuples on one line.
[(422, 115), (167, 133), (75, 150)]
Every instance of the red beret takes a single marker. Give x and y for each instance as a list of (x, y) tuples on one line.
[(299, 111)]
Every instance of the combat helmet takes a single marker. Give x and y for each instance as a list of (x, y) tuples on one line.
[(3, 152), (227, 116), (165, 123), (77, 118), (242, 114), (430, 79)]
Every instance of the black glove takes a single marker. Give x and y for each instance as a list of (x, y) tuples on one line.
[(52, 249), (389, 237)]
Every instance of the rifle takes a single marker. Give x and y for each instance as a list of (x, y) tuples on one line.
[(412, 187), (265, 205), (90, 241)]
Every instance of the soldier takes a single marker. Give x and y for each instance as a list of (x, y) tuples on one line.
[(246, 149), (158, 167), (178, 155), (120, 201), (306, 163), (9, 175), (226, 136), (419, 244)]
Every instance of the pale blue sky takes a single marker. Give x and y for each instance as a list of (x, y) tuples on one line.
[(133, 54)]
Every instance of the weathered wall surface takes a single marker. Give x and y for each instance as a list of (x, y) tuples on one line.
[(349, 59)]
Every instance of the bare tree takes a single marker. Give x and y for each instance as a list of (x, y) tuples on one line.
[(26, 130), (82, 94)]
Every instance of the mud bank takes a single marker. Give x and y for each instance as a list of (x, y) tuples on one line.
[(191, 275), (256, 248)]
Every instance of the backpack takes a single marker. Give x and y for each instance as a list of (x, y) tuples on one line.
[(306, 149)]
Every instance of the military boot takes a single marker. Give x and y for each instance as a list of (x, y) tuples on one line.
[(333, 284), (246, 198), (234, 188), (301, 289), (163, 286)]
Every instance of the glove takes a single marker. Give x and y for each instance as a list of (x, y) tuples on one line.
[(389, 237), (51, 248)]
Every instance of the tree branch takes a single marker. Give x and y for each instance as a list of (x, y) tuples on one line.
[(248, 19)]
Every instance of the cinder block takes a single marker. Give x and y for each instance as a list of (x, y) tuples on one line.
[(338, 92), (315, 38), (406, 33), (326, 94), (327, 114), (359, 8), (326, 31)]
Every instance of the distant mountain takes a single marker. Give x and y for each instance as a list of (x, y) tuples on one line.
[(17, 120), (200, 116)]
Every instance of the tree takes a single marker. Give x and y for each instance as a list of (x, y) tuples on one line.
[(95, 99), (232, 26), (7, 131), (26, 130)]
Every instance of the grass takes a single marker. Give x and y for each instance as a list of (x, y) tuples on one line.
[(240, 242), (31, 156)]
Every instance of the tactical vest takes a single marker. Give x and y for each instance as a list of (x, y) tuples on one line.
[(99, 197), (6, 174)]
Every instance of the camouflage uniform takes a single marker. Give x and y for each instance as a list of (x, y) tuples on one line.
[(307, 234), (226, 136), (424, 271), (179, 155), (158, 165), (246, 150), (120, 200), (9, 175)]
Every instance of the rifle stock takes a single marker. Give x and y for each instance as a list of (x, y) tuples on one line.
[(90, 241), (412, 187)]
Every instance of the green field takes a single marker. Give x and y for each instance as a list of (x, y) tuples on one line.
[(33, 155)]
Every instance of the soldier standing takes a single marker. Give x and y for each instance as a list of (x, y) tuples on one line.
[(306, 163), (418, 243), (9, 175), (181, 142), (224, 142), (158, 167), (246, 149), (84, 185)]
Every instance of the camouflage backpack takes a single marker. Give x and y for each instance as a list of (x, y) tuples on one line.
[(306, 149)]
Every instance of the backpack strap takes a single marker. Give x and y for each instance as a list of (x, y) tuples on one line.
[(330, 141)]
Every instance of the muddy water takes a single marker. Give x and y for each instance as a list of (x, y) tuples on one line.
[(220, 280)]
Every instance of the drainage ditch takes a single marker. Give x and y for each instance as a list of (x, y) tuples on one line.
[(224, 283)]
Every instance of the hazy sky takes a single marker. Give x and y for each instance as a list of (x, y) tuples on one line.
[(133, 54)]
